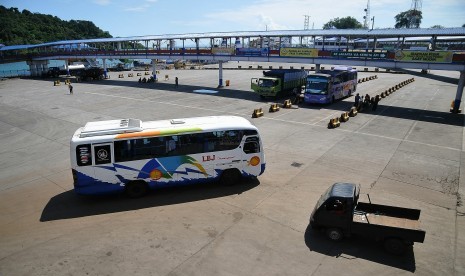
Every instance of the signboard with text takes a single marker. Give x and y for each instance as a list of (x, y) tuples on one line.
[(221, 51), (424, 56), (298, 52), (252, 52), (358, 55)]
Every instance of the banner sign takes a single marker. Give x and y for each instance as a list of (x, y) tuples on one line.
[(358, 55), (298, 52), (424, 56), (252, 52), (221, 51)]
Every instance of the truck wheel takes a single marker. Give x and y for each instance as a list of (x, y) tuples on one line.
[(395, 246), (230, 177), (136, 189), (334, 234)]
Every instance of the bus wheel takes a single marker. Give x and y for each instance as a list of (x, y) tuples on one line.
[(230, 177), (136, 189), (334, 234), (395, 246)]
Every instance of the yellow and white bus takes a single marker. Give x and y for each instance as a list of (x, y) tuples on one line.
[(132, 156)]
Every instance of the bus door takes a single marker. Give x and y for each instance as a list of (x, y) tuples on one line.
[(103, 163), (252, 156)]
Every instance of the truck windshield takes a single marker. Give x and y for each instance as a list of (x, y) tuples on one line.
[(316, 86), (323, 198), (266, 83)]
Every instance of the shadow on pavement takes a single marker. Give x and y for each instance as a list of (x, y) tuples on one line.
[(438, 117), (357, 248), (69, 205)]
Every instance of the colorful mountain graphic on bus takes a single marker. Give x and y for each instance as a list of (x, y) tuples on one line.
[(165, 167)]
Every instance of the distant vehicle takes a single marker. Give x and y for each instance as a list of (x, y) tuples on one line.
[(53, 72), (339, 214), (328, 86), (280, 82), (91, 73), (118, 68), (132, 156)]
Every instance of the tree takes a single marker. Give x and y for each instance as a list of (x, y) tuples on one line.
[(437, 27), (408, 19), (343, 23), (32, 28)]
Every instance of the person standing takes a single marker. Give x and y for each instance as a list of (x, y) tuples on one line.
[(375, 103), (70, 89), (176, 82), (357, 100)]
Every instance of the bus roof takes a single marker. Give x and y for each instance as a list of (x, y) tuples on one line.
[(131, 128)]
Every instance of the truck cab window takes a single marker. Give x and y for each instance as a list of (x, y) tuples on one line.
[(335, 205)]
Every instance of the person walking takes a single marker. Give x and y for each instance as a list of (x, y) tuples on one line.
[(70, 89), (176, 82)]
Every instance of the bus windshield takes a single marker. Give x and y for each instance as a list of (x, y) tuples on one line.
[(316, 86), (267, 83)]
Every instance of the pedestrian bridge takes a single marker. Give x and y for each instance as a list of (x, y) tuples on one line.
[(425, 49)]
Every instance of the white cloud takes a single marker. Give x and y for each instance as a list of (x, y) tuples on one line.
[(140, 8), (102, 2)]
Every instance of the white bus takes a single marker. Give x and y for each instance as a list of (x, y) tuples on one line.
[(132, 156)]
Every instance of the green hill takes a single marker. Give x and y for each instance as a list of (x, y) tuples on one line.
[(32, 28)]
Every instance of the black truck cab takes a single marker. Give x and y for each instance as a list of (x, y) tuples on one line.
[(339, 214), (335, 206)]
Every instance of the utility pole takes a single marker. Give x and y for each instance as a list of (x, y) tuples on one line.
[(306, 27), (366, 18), (415, 11)]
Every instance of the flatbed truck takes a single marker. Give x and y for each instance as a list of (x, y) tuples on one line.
[(339, 214)]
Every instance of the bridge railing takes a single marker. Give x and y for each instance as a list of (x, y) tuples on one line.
[(288, 53)]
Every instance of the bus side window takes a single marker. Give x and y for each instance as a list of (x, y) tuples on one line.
[(251, 145)]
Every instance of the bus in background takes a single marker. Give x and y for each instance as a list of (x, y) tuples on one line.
[(132, 156), (330, 85)]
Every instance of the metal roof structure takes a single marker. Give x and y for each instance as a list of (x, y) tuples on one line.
[(379, 33)]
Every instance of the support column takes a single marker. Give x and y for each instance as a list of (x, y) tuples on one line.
[(67, 67), (154, 69), (37, 67), (220, 74), (317, 68), (105, 75), (45, 67), (458, 96)]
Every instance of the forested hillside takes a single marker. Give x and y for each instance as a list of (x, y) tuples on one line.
[(25, 27)]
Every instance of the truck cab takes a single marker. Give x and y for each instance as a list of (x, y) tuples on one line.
[(339, 214), (335, 206), (266, 86)]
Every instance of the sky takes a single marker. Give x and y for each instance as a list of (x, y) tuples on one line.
[(122, 18)]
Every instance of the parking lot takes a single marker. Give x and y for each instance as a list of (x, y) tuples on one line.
[(408, 153)]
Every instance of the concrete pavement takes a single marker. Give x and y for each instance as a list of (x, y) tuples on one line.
[(409, 153)]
